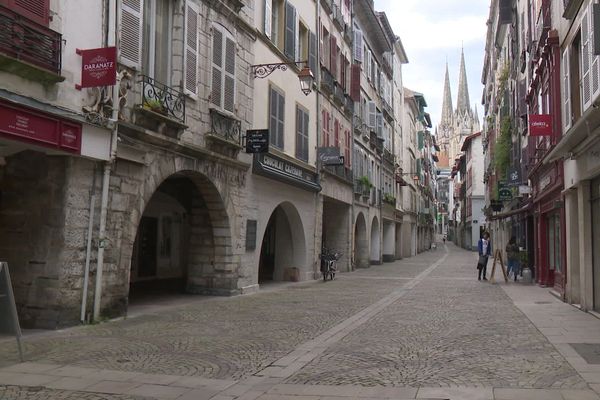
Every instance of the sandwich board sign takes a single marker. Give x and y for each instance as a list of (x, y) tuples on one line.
[(9, 321)]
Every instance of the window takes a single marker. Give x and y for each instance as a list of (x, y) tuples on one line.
[(325, 125), (325, 48), (303, 39), (223, 69), (301, 134), (276, 117), (156, 48), (277, 22)]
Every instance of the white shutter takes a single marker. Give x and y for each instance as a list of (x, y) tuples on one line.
[(594, 72), (229, 78), (369, 65), (585, 62), (372, 110), (566, 90), (268, 17), (130, 41), (191, 49), (217, 68), (358, 45), (379, 117)]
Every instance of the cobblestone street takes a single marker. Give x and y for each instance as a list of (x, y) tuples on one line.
[(422, 327)]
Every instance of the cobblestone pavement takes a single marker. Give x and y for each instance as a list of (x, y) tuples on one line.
[(451, 330), (422, 327)]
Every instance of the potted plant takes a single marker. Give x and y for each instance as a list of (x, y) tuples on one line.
[(155, 106), (366, 185)]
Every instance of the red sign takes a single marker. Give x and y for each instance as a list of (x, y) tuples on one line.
[(33, 127), (540, 125), (98, 67)]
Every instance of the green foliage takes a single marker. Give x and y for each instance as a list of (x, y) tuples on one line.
[(502, 80), (388, 198), (502, 148), (365, 182)]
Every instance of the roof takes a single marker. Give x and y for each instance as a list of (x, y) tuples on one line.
[(468, 139)]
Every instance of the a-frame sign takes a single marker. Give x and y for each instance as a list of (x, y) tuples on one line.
[(498, 257), (9, 321)]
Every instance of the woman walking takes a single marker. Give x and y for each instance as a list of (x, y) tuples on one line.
[(512, 253), (485, 250)]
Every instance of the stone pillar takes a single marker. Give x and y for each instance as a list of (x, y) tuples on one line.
[(573, 288), (585, 245)]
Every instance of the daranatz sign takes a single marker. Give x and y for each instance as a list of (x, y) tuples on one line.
[(98, 67), (275, 167)]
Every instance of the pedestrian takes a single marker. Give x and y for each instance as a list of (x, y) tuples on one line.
[(485, 250), (512, 254), (444, 239)]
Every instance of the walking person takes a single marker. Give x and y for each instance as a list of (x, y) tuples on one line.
[(512, 254), (485, 250)]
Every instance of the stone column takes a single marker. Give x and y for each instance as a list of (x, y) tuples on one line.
[(585, 245)]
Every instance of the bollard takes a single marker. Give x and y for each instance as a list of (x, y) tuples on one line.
[(526, 275)]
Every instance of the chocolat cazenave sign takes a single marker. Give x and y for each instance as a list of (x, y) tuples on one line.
[(27, 125), (98, 67)]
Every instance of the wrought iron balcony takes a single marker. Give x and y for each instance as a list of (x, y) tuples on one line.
[(327, 6), (226, 127), (338, 95), (359, 126), (327, 81), (389, 157), (338, 18), (28, 41), (341, 172), (163, 99), (349, 106), (348, 34)]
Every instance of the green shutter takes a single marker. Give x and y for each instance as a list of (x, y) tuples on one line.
[(420, 139)]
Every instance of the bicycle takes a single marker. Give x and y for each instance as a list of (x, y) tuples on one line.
[(329, 263)]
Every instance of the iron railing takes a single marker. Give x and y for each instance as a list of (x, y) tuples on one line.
[(349, 106), (338, 95), (224, 126), (29, 41), (327, 6), (327, 81), (163, 99), (341, 171)]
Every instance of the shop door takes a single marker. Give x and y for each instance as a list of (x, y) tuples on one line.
[(148, 233), (555, 251), (596, 241)]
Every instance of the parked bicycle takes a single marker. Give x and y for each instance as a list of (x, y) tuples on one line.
[(329, 261)]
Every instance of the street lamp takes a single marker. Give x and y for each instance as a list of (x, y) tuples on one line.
[(305, 75)]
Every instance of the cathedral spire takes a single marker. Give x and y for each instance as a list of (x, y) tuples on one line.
[(463, 105), (447, 101)]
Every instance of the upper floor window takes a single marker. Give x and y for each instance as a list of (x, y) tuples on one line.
[(301, 134), (223, 69), (156, 37), (276, 117)]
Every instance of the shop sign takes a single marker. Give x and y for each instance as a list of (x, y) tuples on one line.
[(257, 141), (524, 189), (330, 156), (98, 67), (540, 124), (504, 193), (514, 176), (32, 127), (275, 167)]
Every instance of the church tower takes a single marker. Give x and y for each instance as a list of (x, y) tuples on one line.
[(444, 129)]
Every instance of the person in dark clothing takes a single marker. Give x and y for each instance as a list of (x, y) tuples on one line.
[(485, 250), (512, 254)]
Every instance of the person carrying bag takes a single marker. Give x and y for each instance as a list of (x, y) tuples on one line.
[(485, 250)]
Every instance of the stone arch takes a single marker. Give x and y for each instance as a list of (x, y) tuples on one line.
[(283, 253), (361, 244), (206, 264), (375, 242)]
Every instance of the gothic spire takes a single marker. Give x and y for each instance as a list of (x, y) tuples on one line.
[(463, 105), (447, 101)]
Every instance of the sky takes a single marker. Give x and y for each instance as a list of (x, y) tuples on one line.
[(433, 31)]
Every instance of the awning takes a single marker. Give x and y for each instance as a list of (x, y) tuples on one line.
[(511, 213)]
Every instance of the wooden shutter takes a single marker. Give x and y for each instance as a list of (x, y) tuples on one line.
[(372, 114), (347, 157), (333, 57), (355, 83), (290, 31), (268, 17), (217, 68), (566, 90), (594, 71), (336, 133), (325, 128), (34, 10), (281, 116), (312, 53), (301, 134), (229, 81), (321, 45), (191, 49), (585, 62), (369, 65), (358, 45), (379, 117), (130, 44), (276, 118)]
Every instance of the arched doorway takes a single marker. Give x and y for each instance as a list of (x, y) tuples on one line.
[(375, 242), (283, 249), (361, 244), (175, 247)]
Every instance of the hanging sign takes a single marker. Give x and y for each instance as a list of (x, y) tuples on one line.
[(540, 124), (330, 156), (504, 193), (514, 176), (98, 67), (257, 141), (9, 323)]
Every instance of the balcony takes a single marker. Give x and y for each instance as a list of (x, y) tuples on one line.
[(28, 49), (225, 134), (389, 158), (327, 6), (338, 95), (376, 142), (542, 25), (338, 18), (348, 34), (349, 106), (327, 81), (343, 173), (359, 125)]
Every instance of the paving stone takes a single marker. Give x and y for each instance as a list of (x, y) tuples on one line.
[(527, 394), (158, 391)]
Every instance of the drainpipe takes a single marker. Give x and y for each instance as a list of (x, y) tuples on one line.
[(317, 74), (114, 120)]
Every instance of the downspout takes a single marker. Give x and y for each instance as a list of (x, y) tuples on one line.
[(114, 120), (317, 74)]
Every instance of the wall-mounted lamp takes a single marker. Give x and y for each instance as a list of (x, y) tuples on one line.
[(305, 75)]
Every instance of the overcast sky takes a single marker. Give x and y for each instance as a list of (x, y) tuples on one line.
[(433, 31)]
